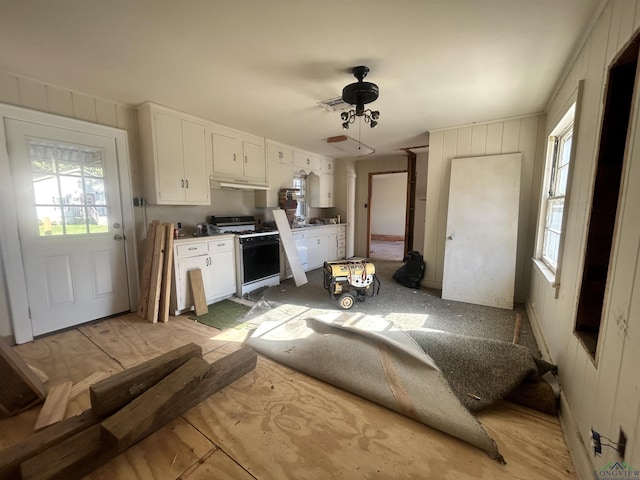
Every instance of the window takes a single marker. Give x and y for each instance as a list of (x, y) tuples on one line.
[(300, 183), (68, 188), (555, 193), (561, 153)]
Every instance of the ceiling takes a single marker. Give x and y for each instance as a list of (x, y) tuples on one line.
[(263, 65)]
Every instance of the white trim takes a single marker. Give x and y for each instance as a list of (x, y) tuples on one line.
[(548, 274), (487, 122), (10, 247)]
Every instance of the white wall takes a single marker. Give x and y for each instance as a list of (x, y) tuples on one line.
[(507, 136), (364, 167), (603, 394), (388, 204)]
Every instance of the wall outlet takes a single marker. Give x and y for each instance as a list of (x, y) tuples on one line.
[(622, 443), (596, 443)]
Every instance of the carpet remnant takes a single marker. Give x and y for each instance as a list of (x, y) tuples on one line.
[(224, 314), (372, 358)]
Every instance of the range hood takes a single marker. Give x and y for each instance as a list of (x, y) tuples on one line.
[(237, 185)]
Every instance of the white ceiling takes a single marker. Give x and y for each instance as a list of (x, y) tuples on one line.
[(262, 65)]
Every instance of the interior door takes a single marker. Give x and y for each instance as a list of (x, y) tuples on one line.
[(482, 230), (69, 222)]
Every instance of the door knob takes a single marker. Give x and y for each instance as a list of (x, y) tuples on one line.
[(118, 237)]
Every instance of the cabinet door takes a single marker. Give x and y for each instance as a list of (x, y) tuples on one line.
[(184, 299), (305, 161), (254, 161), (169, 166), (321, 190), (317, 251), (279, 153), (333, 246), (196, 172), (224, 273), (227, 155)]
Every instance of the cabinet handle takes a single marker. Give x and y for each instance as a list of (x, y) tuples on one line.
[(245, 159), (182, 182), (280, 155), (308, 161), (234, 157), (187, 183), (193, 248), (318, 240)]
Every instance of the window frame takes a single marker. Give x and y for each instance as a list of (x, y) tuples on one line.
[(569, 115)]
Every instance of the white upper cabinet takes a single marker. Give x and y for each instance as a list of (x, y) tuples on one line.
[(326, 165), (320, 190), (279, 153), (174, 157), (306, 161), (237, 156)]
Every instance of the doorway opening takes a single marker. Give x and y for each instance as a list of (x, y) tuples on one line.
[(387, 216), (606, 191)]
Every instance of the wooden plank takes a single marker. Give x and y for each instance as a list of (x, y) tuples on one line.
[(290, 250), (39, 373), (157, 406), (21, 387), (516, 331), (116, 391), (55, 405), (80, 454), (86, 382), (146, 270), (156, 274), (197, 291), (167, 274), (12, 457)]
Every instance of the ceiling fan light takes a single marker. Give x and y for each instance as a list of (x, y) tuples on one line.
[(374, 124), (344, 116), (375, 114), (345, 125)]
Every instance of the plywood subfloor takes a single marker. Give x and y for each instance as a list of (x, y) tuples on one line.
[(276, 423)]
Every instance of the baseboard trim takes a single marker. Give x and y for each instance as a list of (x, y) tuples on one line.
[(387, 238), (577, 450)]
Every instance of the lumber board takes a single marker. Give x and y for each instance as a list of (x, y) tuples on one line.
[(146, 270), (289, 247), (82, 453), (156, 274), (21, 387), (116, 391), (157, 406), (86, 382), (12, 457), (39, 373), (197, 292), (167, 274), (516, 331), (55, 405)]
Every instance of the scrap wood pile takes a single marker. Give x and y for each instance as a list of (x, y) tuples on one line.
[(155, 285), (125, 408)]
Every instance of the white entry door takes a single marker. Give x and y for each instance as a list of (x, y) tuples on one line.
[(70, 224), (482, 230)]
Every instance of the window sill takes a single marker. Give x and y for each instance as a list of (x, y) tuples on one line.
[(546, 272)]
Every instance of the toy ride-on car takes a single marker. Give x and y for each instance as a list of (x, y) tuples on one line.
[(351, 279)]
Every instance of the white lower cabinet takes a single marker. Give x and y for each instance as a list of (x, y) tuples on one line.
[(316, 245), (215, 257)]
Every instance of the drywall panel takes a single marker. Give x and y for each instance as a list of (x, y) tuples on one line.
[(84, 107)]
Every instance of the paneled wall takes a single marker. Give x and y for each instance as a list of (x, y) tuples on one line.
[(601, 393), (508, 136), (364, 167)]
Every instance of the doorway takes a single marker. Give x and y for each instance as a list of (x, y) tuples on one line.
[(72, 251), (606, 192), (387, 215)]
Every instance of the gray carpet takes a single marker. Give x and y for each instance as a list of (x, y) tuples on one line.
[(371, 357)]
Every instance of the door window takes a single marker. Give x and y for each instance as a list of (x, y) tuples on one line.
[(68, 188)]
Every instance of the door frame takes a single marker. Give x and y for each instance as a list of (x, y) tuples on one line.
[(370, 209), (10, 248)]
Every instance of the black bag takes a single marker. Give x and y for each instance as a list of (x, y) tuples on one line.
[(412, 272)]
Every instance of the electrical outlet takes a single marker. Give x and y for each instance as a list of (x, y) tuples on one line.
[(596, 443), (622, 443)]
